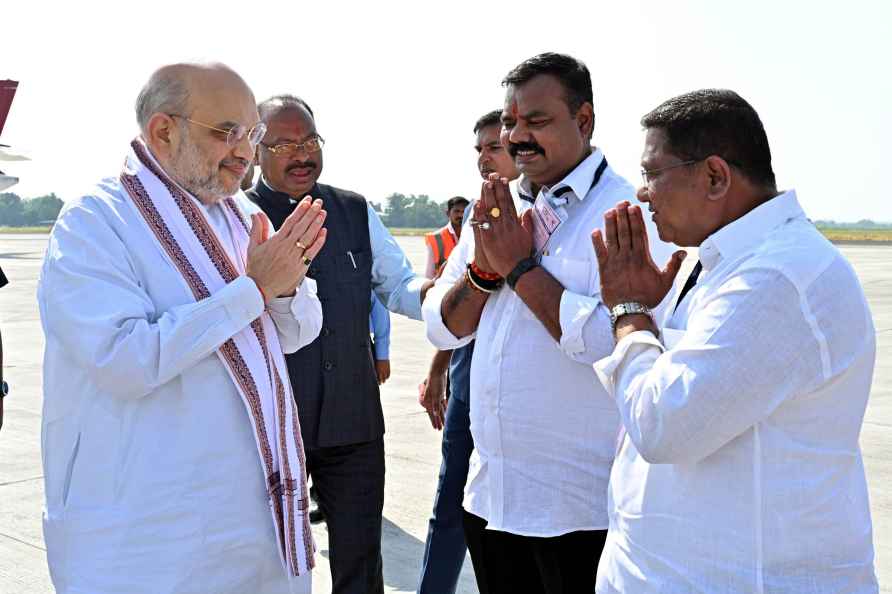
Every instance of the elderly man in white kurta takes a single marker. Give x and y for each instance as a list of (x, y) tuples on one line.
[(171, 449)]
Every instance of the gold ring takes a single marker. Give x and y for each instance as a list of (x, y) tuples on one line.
[(307, 261), (495, 212), (301, 246)]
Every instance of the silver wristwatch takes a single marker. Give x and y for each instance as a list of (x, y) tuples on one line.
[(623, 309)]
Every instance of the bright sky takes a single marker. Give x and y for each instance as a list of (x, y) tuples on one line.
[(397, 86)]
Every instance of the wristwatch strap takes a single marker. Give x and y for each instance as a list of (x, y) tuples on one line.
[(522, 268)]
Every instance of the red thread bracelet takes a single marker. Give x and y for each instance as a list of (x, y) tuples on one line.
[(490, 276)]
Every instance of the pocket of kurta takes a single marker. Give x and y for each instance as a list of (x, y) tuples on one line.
[(574, 275)]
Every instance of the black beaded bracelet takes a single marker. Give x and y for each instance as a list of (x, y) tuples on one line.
[(522, 268)]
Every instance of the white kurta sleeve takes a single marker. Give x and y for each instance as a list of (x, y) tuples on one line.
[(586, 331), (437, 332), (93, 304), (745, 351), (298, 319)]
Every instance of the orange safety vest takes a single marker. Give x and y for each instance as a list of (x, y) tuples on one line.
[(441, 243)]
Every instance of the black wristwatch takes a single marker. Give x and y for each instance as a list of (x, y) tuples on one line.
[(4, 389), (522, 268)]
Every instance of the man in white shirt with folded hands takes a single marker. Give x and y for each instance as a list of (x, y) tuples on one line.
[(527, 289), (739, 468), (172, 456)]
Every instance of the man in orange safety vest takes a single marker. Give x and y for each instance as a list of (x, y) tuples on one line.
[(440, 242)]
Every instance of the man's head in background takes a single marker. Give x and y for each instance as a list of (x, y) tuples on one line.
[(492, 157), (455, 210), (290, 154)]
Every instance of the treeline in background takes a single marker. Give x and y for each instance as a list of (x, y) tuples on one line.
[(401, 211), (18, 212)]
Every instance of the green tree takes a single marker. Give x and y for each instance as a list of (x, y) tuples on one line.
[(395, 215), (42, 210), (414, 211), (12, 210)]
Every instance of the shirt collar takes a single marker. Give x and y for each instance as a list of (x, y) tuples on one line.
[(267, 192), (578, 182), (520, 195), (737, 237)]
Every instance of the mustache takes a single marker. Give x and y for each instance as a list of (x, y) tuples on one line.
[(236, 161), (305, 165), (514, 148)]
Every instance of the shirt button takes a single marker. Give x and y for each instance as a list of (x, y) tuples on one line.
[(328, 366)]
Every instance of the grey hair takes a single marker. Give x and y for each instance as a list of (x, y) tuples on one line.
[(165, 92)]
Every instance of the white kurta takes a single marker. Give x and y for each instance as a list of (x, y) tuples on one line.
[(740, 470), (544, 430), (152, 477)]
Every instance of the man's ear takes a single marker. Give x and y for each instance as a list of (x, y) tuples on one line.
[(585, 119), (161, 132), (719, 173)]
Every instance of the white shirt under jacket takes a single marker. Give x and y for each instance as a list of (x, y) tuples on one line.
[(153, 481), (740, 470), (544, 430)]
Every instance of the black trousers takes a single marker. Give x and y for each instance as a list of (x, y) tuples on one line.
[(509, 563), (349, 481)]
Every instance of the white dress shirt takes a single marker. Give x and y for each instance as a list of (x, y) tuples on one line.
[(740, 469), (544, 430), (152, 477)]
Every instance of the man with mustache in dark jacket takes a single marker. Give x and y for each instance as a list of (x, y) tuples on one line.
[(334, 378)]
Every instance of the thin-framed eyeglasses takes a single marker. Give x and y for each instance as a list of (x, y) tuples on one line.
[(233, 135), (648, 175), (292, 149)]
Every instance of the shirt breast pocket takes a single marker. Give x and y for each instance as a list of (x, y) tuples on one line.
[(574, 275)]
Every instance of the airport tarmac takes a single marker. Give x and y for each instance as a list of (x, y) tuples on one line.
[(413, 448)]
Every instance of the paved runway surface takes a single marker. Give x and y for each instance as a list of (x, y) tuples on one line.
[(413, 453)]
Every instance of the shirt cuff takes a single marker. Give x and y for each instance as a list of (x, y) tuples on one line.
[(630, 346), (575, 311), (296, 303), (437, 332), (242, 300)]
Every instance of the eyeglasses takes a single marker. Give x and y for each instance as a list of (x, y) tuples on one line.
[(233, 135), (293, 149), (648, 175)]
